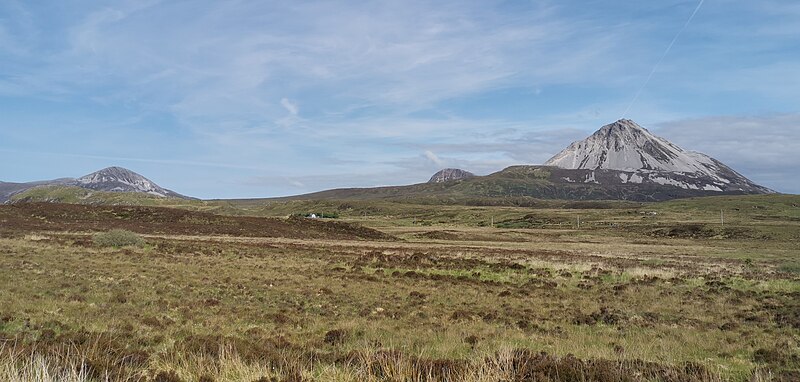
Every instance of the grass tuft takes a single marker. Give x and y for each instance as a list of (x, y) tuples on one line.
[(118, 238)]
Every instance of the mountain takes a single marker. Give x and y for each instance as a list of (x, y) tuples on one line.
[(8, 189), (111, 179), (642, 157), (621, 161), (450, 174), (118, 179)]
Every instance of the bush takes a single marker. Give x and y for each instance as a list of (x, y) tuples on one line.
[(118, 238)]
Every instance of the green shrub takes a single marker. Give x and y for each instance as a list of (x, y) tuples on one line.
[(117, 238)]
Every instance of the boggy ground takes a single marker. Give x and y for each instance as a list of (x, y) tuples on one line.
[(494, 305), (35, 217)]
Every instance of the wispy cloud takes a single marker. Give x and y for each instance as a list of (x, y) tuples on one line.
[(763, 148), (433, 158), (289, 106), (327, 88)]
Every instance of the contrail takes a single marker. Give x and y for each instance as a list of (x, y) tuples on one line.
[(636, 97)]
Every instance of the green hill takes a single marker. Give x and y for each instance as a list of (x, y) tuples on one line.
[(78, 195)]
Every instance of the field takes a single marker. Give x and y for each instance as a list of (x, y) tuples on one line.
[(692, 290)]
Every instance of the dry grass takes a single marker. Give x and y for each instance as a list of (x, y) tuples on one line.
[(118, 238), (227, 308), (25, 366), (362, 366)]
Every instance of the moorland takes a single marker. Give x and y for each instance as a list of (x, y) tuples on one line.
[(512, 289)]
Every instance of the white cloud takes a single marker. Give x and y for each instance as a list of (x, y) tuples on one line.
[(433, 158), (398, 54), (383, 86), (290, 106)]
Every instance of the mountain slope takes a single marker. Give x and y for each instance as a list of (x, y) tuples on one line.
[(9, 189), (111, 179), (626, 146), (118, 179), (512, 183), (643, 157)]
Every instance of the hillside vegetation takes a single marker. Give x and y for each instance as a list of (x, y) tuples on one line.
[(401, 291)]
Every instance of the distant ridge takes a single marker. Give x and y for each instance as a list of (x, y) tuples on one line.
[(620, 161), (110, 179)]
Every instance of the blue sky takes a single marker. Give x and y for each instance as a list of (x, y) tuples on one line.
[(221, 99)]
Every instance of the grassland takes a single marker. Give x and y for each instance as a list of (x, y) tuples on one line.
[(399, 291)]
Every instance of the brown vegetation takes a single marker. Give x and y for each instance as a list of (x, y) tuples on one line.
[(31, 217), (239, 303)]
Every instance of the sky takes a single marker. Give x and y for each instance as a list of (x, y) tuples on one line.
[(231, 99)]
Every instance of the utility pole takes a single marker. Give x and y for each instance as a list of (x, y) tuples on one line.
[(492, 221), (579, 221), (722, 218)]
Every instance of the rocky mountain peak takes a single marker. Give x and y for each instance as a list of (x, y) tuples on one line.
[(122, 180), (450, 174), (626, 146), (112, 172), (113, 179), (621, 128)]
